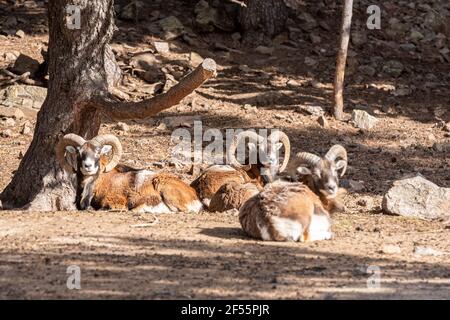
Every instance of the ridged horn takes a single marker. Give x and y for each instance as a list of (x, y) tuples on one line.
[(281, 136), (335, 152), (307, 158), (109, 139), (70, 139), (231, 153)]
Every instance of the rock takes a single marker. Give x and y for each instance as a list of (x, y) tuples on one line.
[(172, 28), (8, 122), (442, 146), (361, 119), (365, 202), (264, 50), (323, 122), (307, 21), (11, 112), (20, 34), (161, 47), (312, 110), (367, 70), (408, 46), (401, 91), (236, 36), (24, 64), (205, 16), (122, 126), (310, 61), (26, 130), (195, 59), (393, 68), (27, 98), (315, 39), (391, 249), (6, 133), (416, 36), (10, 22), (131, 11), (417, 197), (245, 68), (179, 121), (358, 38), (353, 185), (427, 251), (447, 127), (293, 83)]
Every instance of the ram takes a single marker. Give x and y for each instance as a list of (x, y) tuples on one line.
[(257, 172), (321, 174), (103, 183), (286, 211), (232, 195)]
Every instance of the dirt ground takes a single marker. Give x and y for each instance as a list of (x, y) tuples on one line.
[(208, 255)]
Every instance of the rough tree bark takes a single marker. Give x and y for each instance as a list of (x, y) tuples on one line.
[(342, 59), (83, 73), (259, 18)]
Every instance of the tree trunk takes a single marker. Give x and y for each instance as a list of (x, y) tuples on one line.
[(260, 19), (83, 72), (342, 60)]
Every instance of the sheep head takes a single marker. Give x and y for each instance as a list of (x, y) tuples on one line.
[(89, 157), (266, 157), (322, 174)]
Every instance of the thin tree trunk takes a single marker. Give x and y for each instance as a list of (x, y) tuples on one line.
[(342, 59), (262, 18), (83, 73)]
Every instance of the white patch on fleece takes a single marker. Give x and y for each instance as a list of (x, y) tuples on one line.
[(206, 202), (195, 206), (159, 208), (141, 177), (220, 168), (287, 228), (264, 231), (320, 228)]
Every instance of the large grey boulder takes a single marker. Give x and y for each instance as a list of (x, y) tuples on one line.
[(363, 120), (417, 197), (23, 97)]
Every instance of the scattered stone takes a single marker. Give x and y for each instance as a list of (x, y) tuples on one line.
[(293, 83), (180, 121), (131, 11), (447, 127), (323, 122), (361, 119), (310, 62), (402, 91), (26, 130), (307, 21), (11, 112), (172, 28), (27, 98), (244, 68), (264, 50), (312, 110), (20, 33), (417, 197), (24, 64), (195, 59), (122, 126), (367, 70), (205, 16), (8, 122), (427, 251), (315, 39), (391, 249), (358, 38), (393, 68), (6, 133), (416, 36), (352, 185), (161, 47), (365, 202), (441, 146), (236, 36)]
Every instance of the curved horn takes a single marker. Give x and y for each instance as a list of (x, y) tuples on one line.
[(281, 136), (70, 139), (337, 151), (231, 154), (308, 158), (109, 139)]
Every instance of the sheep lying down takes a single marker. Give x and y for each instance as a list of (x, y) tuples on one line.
[(286, 211)]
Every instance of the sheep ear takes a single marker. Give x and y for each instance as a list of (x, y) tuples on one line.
[(105, 149), (278, 146), (71, 149), (303, 171)]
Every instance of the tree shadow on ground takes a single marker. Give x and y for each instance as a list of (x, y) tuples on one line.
[(136, 267)]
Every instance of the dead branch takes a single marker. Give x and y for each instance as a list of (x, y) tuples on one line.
[(24, 78), (341, 60), (118, 110)]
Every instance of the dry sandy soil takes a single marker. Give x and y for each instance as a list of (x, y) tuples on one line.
[(207, 255)]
